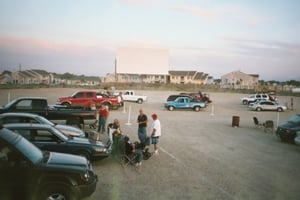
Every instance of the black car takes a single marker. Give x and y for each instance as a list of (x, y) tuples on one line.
[(175, 96), (29, 173), (49, 138), (286, 131)]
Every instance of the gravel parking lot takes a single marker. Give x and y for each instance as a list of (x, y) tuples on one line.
[(201, 155)]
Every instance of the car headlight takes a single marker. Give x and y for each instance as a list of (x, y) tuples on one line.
[(101, 150), (86, 176)]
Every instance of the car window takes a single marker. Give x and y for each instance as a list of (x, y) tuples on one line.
[(78, 95), (89, 95), (24, 104), (258, 96), (44, 136), (264, 96)]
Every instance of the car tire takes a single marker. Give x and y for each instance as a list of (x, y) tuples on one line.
[(197, 108), (258, 109), (279, 109), (66, 104), (171, 108), (245, 102), (139, 101), (56, 192)]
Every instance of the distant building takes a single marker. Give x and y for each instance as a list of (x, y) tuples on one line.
[(185, 77), (239, 80)]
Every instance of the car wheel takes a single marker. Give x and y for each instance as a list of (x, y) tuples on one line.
[(258, 109), (107, 105), (139, 101), (57, 192), (197, 108), (245, 102), (66, 104), (279, 109), (171, 108)]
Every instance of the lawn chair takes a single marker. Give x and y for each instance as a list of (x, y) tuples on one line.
[(257, 123), (268, 126)]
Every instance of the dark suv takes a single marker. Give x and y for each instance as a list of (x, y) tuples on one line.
[(286, 131), (29, 173)]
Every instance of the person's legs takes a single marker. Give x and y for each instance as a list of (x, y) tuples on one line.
[(101, 127), (142, 134), (155, 144), (139, 154)]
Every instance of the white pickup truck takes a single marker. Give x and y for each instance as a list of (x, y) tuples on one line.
[(129, 95)]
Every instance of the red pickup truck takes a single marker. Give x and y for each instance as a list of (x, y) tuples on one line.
[(89, 99)]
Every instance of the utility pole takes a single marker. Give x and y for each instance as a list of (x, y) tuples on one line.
[(116, 77)]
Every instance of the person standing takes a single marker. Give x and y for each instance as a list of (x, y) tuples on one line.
[(155, 132), (103, 115), (142, 121)]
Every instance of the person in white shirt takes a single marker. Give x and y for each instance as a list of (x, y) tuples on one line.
[(155, 132)]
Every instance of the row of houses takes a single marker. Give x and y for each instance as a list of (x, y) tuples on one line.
[(235, 79)]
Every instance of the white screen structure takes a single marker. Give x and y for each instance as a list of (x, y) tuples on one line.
[(142, 61)]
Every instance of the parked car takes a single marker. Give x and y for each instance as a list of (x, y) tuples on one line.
[(185, 102), (8, 118), (253, 97), (89, 99), (286, 131), (175, 96), (29, 173), (267, 105), (49, 138)]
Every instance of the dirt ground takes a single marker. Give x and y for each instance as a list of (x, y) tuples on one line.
[(201, 155)]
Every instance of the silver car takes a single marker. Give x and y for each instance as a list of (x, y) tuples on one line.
[(267, 105), (8, 118)]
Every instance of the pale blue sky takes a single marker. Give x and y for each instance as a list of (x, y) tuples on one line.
[(211, 36)]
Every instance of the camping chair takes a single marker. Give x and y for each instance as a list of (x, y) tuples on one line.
[(257, 123), (268, 126), (127, 157)]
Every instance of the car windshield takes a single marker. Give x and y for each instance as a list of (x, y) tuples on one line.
[(295, 119), (10, 103), (34, 154)]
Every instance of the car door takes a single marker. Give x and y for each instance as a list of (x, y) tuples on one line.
[(46, 140), (78, 98), (16, 175), (180, 102)]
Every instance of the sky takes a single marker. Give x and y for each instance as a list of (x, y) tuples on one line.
[(211, 36)]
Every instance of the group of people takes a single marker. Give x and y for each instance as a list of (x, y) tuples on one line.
[(142, 121)]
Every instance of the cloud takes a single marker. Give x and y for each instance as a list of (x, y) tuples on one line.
[(193, 10)]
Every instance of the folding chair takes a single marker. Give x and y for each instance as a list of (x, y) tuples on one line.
[(268, 126), (257, 123), (128, 157)]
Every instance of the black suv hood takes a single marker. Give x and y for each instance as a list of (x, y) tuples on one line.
[(287, 125), (61, 160)]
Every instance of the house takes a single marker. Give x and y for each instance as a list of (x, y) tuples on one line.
[(186, 77), (239, 80)]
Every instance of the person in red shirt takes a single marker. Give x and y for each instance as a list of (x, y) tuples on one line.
[(103, 115)]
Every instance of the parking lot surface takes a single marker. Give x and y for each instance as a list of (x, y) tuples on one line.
[(201, 155)]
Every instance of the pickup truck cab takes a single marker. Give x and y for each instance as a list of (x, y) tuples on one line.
[(39, 106), (29, 173), (89, 99), (185, 102), (129, 95)]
